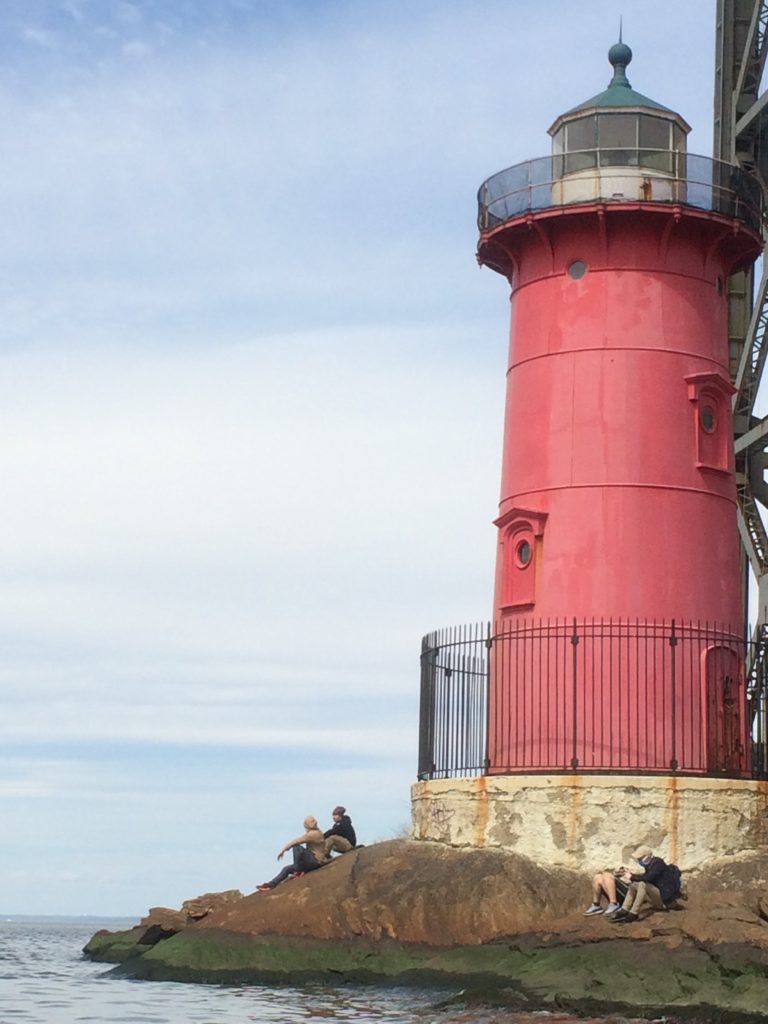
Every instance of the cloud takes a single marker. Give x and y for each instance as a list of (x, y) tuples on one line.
[(271, 182), (41, 37), (33, 876), (240, 537), (39, 778), (129, 13), (74, 10), (136, 48)]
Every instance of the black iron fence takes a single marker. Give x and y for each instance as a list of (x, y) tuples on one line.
[(612, 175), (599, 696)]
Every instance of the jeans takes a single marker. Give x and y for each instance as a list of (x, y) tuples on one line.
[(303, 861)]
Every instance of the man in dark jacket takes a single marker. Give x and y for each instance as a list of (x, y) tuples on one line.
[(656, 885), (341, 836)]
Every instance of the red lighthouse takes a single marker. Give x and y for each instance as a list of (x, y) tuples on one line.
[(618, 495), (614, 691)]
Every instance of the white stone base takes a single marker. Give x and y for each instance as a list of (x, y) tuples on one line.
[(595, 821)]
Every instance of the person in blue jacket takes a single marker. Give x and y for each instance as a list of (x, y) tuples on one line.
[(657, 884)]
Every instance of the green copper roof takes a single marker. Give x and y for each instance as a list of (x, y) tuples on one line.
[(619, 92)]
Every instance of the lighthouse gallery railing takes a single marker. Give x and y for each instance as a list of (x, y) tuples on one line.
[(603, 175), (599, 696)]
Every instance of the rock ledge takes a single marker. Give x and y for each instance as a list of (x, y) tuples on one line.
[(483, 920)]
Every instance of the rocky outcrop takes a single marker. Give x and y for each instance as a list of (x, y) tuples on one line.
[(160, 923), (166, 918), (407, 911), (412, 892), (201, 906)]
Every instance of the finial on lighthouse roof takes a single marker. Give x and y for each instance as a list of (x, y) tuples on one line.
[(620, 55)]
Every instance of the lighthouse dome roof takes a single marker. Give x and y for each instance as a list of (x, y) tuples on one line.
[(619, 92)]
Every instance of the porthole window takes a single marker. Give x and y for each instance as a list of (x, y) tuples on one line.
[(523, 553), (577, 269), (707, 419)]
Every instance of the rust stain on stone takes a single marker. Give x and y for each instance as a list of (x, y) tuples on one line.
[(481, 811), (672, 817), (760, 821), (575, 812)]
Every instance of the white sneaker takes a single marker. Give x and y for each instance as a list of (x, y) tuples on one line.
[(593, 909)]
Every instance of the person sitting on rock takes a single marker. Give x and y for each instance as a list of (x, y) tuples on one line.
[(658, 884), (610, 884), (341, 836), (309, 854)]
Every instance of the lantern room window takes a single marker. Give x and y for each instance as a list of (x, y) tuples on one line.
[(617, 139), (613, 139), (655, 143), (580, 144)]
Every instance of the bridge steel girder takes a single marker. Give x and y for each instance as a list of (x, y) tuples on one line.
[(752, 360), (741, 136), (747, 103)]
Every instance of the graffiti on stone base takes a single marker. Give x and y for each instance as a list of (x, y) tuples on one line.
[(440, 819)]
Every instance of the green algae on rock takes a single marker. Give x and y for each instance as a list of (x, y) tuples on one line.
[(615, 975), (115, 947)]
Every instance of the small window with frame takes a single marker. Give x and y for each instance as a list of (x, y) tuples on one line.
[(521, 542), (710, 394)]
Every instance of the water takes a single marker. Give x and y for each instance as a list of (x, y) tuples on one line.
[(45, 980)]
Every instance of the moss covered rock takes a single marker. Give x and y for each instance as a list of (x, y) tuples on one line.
[(115, 947), (616, 975)]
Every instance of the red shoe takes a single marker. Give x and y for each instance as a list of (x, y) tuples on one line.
[(264, 888), (297, 874)]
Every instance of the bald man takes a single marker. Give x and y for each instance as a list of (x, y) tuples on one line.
[(309, 854)]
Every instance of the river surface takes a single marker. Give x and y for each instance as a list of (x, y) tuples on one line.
[(45, 980)]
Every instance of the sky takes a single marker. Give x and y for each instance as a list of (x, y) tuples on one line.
[(251, 404)]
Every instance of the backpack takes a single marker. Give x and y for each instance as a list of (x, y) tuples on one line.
[(674, 879)]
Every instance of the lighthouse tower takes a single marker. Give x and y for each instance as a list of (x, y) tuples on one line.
[(618, 497), (616, 655), (618, 493)]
